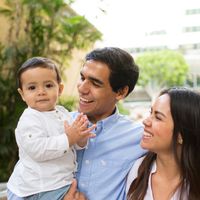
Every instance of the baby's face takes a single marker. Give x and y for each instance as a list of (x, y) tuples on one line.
[(40, 89)]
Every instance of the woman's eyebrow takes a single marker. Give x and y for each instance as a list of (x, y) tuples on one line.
[(160, 113)]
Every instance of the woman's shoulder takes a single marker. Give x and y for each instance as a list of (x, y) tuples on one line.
[(133, 172)]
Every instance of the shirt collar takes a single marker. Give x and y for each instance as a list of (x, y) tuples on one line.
[(154, 167), (108, 120)]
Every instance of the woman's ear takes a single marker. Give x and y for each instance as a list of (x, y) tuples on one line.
[(122, 93), (61, 87), (21, 93)]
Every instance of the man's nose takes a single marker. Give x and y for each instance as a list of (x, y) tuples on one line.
[(83, 86)]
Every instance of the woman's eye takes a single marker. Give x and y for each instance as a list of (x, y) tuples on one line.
[(158, 117)]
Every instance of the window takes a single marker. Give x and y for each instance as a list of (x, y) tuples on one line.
[(192, 11), (191, 29)]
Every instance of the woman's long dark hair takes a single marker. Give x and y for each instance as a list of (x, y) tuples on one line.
[(185, 110)]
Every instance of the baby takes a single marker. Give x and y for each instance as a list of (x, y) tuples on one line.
[(45, 135)]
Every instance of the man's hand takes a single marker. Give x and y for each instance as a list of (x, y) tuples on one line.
[(73, 194)]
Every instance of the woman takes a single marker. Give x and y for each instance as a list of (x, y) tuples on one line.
[(171, 169)]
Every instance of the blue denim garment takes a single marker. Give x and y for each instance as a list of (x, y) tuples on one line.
[(57, 194), (12, 196)]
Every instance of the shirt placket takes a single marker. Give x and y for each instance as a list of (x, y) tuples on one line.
[(88, 158)]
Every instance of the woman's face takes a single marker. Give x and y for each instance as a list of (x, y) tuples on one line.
[(158, 127)]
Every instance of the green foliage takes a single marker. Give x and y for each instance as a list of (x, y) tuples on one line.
[(162, 68), (68, 102), (122, 109), (36, 28)]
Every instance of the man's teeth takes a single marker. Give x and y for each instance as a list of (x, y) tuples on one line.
[(85, 100)]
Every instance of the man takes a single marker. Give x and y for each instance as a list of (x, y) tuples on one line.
[(108, 75)]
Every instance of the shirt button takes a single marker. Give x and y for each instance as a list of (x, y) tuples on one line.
[(82, 184), (87, 162), (103, 162)]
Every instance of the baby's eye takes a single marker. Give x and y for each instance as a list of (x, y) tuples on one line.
[(32, 87), (49, 85)]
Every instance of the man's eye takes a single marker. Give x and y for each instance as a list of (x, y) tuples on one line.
[(96, 84), (82, 78), (31, 87)]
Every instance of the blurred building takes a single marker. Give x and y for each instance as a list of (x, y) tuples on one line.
[(182, 34)]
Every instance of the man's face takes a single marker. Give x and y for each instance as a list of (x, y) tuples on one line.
[(97, 100)]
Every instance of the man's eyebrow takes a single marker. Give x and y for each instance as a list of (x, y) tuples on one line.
[(93, 79)]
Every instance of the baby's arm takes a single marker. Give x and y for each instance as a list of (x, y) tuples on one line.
[(78, 132), (34, 139)]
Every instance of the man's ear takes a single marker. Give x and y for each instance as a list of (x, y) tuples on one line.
[(122, 93), (21, 93), (61, 87)]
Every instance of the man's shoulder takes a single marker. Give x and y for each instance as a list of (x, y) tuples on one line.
[(127, 121)]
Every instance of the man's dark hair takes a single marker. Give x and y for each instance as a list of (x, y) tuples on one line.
[(123, 70)]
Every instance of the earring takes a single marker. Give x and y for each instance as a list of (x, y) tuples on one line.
[(180, 140)]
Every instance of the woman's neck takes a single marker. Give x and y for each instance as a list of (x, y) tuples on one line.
[(167, 166), (167, 177)]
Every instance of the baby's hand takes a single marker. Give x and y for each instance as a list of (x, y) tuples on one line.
[(78, 131)]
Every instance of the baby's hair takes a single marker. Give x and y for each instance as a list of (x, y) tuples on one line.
[(34, 63)]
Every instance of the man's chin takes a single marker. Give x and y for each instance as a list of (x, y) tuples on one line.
[(82, 111)]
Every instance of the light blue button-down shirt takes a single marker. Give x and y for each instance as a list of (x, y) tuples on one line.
[(103, 166)]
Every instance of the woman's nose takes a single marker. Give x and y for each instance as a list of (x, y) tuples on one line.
[(147, 121)]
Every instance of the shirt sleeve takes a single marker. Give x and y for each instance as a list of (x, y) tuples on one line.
[(77, 147), (32, 139)]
